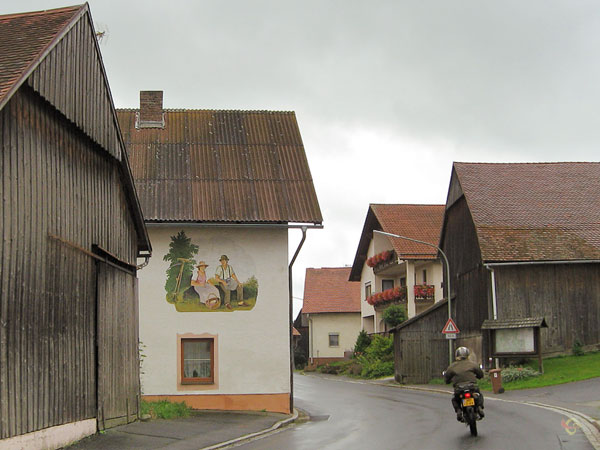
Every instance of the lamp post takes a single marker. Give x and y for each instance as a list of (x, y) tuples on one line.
[(450, 352)]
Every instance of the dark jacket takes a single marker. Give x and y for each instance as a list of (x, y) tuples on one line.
[(462, 371)]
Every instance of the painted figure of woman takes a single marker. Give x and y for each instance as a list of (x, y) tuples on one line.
[(209, 294)]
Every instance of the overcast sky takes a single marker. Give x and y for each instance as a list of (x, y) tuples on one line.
[(387, 93)]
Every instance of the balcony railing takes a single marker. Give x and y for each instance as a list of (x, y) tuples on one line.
[(393, 295), (424, 292)]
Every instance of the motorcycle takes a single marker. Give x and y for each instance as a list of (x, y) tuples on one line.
[(468, 396)]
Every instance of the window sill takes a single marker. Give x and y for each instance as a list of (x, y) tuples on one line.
[(194, 382)]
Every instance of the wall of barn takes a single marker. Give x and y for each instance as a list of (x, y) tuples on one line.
[(57, 186), (566, 295)]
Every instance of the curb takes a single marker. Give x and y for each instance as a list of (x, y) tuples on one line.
[(252, 436)]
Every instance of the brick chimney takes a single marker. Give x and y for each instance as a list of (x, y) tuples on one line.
[(151, 110)]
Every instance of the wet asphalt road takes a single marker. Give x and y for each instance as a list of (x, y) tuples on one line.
[(353, 415)]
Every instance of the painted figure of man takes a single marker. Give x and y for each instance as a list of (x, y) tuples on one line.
[(225, 275)]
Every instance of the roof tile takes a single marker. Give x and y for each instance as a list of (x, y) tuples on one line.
[(328, 290), (534, 211)]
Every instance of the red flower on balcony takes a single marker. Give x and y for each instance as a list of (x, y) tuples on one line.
[(389, 295), (379, 258), (424, 292)]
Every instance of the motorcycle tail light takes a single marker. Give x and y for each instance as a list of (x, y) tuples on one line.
[(468, 395)]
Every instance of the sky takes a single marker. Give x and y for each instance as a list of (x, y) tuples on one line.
[(387, 93)]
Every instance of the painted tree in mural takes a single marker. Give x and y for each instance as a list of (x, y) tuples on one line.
[(180, 257)]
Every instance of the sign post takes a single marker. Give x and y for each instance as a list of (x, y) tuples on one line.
[(450, 330)]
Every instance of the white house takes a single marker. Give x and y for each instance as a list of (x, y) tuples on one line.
[(394, 270), (331, 307), (219, 190)]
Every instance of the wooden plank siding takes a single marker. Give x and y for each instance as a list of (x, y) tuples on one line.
[(55, 181), (420, 349), (118, 357), (566, 295), (74, 62)]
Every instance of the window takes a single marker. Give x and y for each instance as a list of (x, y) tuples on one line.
[(424, 277), (387, 284), (334, 339), (197, 361), (402, 281), (367, 289)]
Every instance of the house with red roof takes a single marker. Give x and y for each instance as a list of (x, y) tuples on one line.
[(72, 230), (220, 191), (523, 242), (331, 308), (395, 270)]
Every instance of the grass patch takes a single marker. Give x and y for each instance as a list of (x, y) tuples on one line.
[(558, 370), (165, 409)]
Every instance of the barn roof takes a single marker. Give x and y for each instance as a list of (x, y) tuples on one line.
[(42, 50), (533, 211), (220, 166), (26, 38), (421, 222), (328, 290)]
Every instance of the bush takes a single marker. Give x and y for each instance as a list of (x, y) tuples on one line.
[(378, 358), (394, 315), (578, 348), (518, 373), (362, 342), (299, 359)]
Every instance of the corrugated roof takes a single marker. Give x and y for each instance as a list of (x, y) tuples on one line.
[(534, 211), (328, 290), (421, 222), (221, 166), (25, 39)]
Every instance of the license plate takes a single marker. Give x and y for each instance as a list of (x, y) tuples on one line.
[(468, 402)]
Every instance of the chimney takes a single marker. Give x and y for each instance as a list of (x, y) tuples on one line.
[(151, 110)]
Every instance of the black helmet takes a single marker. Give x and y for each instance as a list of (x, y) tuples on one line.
[(462, 353)]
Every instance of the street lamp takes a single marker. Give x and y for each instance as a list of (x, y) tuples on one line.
[(450, 353)]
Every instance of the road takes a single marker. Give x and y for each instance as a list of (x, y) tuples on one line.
[(357, 415)]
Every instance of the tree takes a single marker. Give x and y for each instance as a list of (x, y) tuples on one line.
[(362, 342), (394, 315), (181, 269)]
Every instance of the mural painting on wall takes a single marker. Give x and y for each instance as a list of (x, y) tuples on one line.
[(194, 286)]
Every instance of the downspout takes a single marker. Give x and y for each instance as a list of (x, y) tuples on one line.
[(291, 313), (494, 302)]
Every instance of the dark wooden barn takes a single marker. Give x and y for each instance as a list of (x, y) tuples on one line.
[(523, 242), (71, 233)]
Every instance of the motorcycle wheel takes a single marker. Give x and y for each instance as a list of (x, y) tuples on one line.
[(472, 420)]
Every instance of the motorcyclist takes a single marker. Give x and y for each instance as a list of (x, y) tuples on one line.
[(460, 373)]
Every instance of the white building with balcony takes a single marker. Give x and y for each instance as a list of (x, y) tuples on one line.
[(393, 270)]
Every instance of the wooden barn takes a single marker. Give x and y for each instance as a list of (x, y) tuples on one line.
[(523, 242), (71, 233)]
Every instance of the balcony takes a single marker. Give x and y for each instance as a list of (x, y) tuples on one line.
[(382, 261), (389, 296), (424, 292)]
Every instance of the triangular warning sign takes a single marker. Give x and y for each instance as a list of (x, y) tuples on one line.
[(450, 327)]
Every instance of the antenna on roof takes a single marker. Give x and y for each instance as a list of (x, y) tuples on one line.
[(102, 33)]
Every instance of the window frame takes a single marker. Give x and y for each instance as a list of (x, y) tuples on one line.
[(337, 335), (197, 380)]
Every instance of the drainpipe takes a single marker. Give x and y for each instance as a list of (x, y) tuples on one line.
[(291, 316), (494, 301)]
